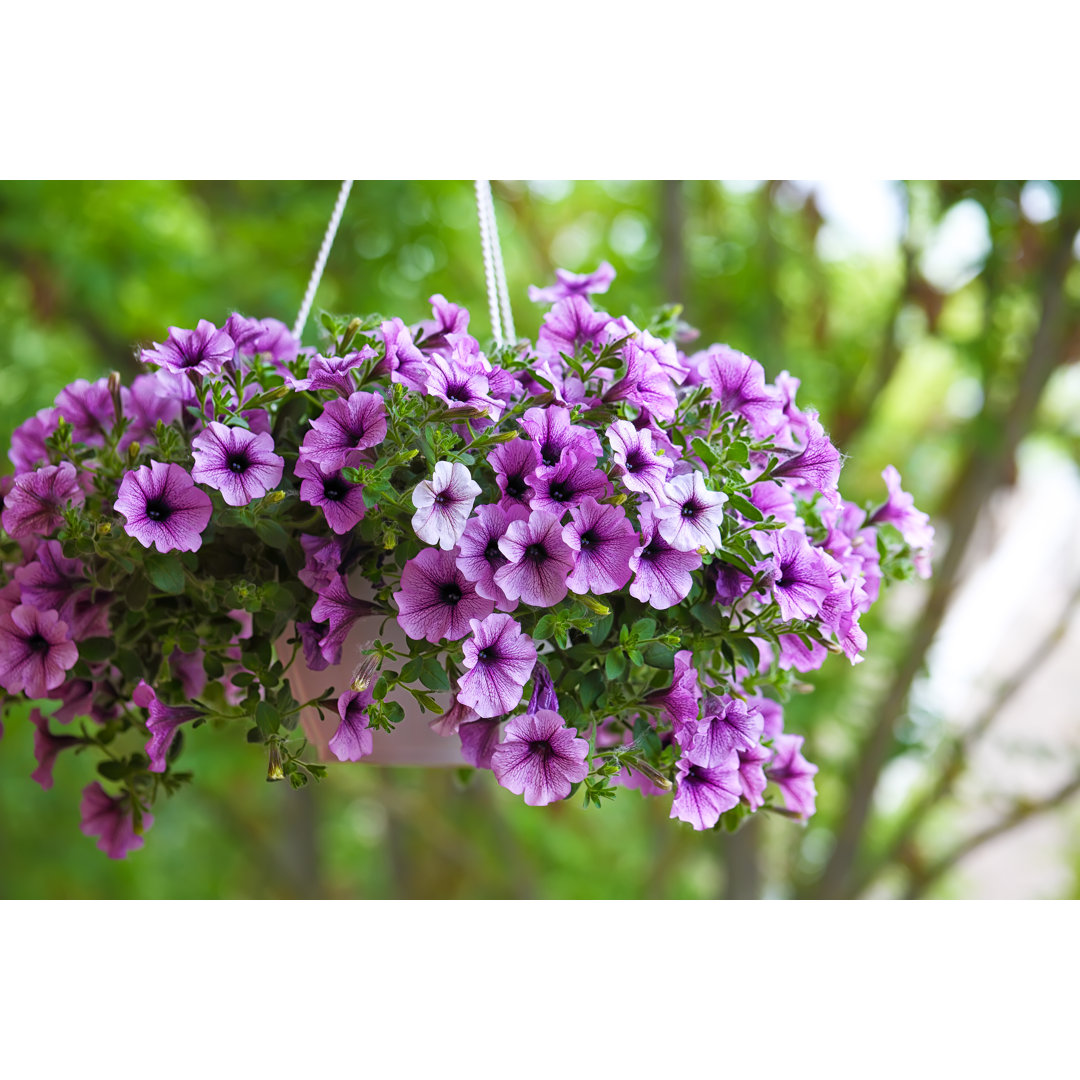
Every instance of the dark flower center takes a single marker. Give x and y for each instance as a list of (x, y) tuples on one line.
[(488, 654), (335, 489), (237, 462), (651, 552), (457, 393), (689, 510), (515, 486), (158, 510), (550, 453), (541, 748), (695, 774), (588, 538), (560, 492), (37, 643), (492, 552), (536, 553), (450, 593), (443, 499), (635, 460)]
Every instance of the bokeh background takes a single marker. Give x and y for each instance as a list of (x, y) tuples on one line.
[(935, 325)]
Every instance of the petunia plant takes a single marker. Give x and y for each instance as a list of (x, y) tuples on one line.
[(611, 555)]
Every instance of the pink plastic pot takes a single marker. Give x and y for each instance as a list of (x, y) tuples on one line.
[(413, 742)]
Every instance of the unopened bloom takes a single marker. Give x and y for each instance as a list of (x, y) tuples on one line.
[(643, 469), (342, 502), (162, 725), (703, 794), (602, 540), (661, 573), (568, 283), (752, 779), (353, 739), (236, 462), (540, 758), (479, 739), (444, 504), (111, 821), (538, 560), (36, 651), (436, 600), (344, 429), (337, 606), (793, 774), (162, 507), (34, 505), (691, 516), (499, 660), (201, 350)]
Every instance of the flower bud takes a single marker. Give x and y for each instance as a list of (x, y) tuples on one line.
[(275, 770)]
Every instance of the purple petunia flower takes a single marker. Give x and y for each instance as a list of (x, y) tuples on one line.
[(337, 606), (793, 774), (201, 350), (802, 579), (752, 779), (253, 336), (681, 700), (462, 382), (34, 505), (311, 633), (332, 372), (162, 507), (800, 655), (111, 821), (157, 396), (36, 651), (738, 385), (703, 794), (661, 573), (727, 724), (568, 283), (51, 581), (353, 739), (404, 361), (322, 560), (817, 464), (540, 758), (499, 659), (479, 555), (436, 600), (538, 560), (568, 484), (89, 408), (451, 720), (513, 462), (569, 325), (444, 504), (449, 319), (603, 540), (162, 725), (479, 738), (550, 429), (543, 694), (692, 515), (236, 462), (28, 449), (47, 747), (645, 385), (344, 429), (914, 525), (342, 502), (642, 468)]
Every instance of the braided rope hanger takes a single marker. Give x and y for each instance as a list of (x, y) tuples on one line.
[(502, 317)]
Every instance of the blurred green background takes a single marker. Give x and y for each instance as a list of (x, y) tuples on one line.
[(931, 324)]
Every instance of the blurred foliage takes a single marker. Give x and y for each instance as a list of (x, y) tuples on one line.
[(909, 360)]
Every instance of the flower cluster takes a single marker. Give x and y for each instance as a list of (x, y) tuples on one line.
[(658, 534)]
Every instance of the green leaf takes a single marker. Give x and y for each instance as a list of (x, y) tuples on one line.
[(266, 716), (591, 688), (544, 628), (433, 675), (705, 451), (644, 628), (746, 508), (660, 656), (411, 671), (166, 573), (96, 648), (271, 534), (113, 770), (600, 630), (615, 663), (739, 452)]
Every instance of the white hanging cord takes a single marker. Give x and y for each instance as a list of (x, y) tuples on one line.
[(500, 273), (483, 198), (320, 261)]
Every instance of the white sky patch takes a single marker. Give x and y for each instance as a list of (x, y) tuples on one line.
[(958, 248), (1040, 201)]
